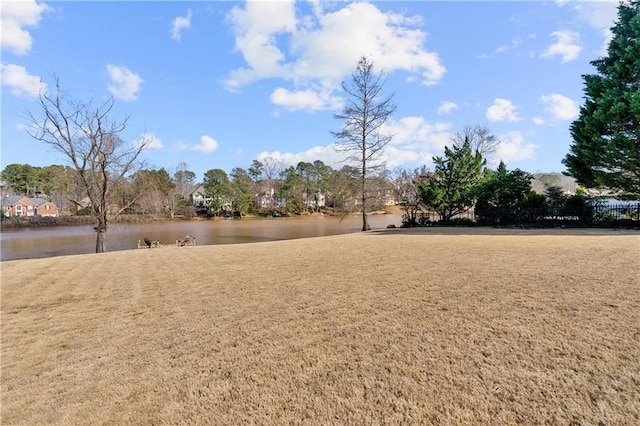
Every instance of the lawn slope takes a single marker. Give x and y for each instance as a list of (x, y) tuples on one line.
[(422, 326)]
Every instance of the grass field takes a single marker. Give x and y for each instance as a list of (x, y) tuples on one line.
[(426, 326)]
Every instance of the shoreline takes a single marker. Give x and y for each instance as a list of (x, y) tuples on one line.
[(13, 223)]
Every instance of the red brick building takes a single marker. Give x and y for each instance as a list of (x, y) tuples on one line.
[(21, 206)]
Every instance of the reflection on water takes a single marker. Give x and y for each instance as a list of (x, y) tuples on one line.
[(47, 242)]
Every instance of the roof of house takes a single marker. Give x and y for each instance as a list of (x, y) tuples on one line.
[(10, 200), (197, 189)]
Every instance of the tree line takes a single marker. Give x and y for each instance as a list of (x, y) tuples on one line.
[(265, 187), (458, 181)]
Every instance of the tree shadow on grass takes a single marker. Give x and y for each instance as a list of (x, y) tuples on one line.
[(485, 230)]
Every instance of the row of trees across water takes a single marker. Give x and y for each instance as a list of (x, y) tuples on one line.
[(265, 187)]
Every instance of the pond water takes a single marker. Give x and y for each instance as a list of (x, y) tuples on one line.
[(57, 241)]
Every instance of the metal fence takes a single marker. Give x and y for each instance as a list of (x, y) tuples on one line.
[(627, 211), (622, 215)]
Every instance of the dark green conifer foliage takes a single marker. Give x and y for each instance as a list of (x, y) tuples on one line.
[(451, 188), (606, 136)]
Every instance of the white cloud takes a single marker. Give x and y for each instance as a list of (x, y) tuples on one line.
[(16, 15), (207, 144), (20, 81), (607, 36), (326, 154), (267, 32), (125, 83), (417, 133), (567, 46), (512, 147), (255, 27), (538, 121), (392, 40), (514, 43), (560, 106), (152, 141), (395, 156), (305, 100), (179, 24), (600, 15), (446, 107), (502, 110), (414, 141)]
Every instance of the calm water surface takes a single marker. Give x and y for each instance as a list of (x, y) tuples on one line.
[(48, 242)]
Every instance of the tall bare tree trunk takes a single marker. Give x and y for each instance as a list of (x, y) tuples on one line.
[(364, 114), (365, 220), (101, 232), (101, 245), (91, 142)]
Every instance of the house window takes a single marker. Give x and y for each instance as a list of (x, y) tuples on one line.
[(18, 210), (46, 207)]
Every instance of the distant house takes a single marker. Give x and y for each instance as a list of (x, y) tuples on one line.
[(203, 203), (317, 201), (265, 195), (199, 199), (21, 206)]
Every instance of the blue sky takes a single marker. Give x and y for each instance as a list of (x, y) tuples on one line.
[(219, 84)]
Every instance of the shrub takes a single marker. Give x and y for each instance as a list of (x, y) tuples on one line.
[(461, 221), (85, 211)]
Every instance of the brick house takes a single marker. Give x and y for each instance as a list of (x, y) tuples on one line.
[(21, 206)]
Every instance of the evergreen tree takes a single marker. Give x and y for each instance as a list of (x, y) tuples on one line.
[(23, 179), (241, 190), (606, 135), (501, 193), (217, 186), (451, 189), (291, 189)]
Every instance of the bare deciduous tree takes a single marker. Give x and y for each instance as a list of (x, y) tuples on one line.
[(363, 115), (271, 168), (184, 179), (480, 139), (86, 135), (405, 185)]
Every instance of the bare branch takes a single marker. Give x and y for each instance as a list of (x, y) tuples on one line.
[(90, 140), (480, 139), (363, 116)]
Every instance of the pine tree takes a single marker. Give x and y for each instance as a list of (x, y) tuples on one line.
[(606, 135), (451, 188), (503, 189)]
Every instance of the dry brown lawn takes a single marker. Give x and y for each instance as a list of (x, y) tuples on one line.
[(425, 326)]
